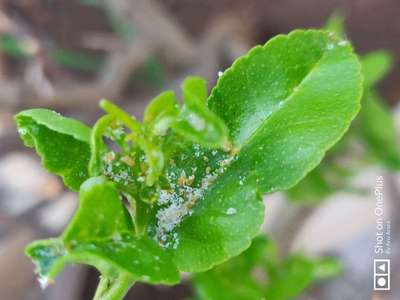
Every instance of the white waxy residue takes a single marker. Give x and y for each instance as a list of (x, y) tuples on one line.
[(43, 282), (178, 202), (231, 211)]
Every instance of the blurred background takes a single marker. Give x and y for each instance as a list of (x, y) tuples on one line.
[(66, 55)]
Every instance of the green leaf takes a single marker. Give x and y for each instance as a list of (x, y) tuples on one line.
[(163, 104), (335, 24), (77, 60), (241, 278), (194, 90), (330, 175), (295, 274), (14, 47), (327, 267), (292, 100), (379, 132), (259, 274), (313, 188), (196, 122), (103, 237), (285, 104), (161, 112), (375, 66), (62, 143)]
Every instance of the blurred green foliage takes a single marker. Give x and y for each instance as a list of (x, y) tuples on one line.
[(152, 72), (14, 47), (259, 273), (77, 60)]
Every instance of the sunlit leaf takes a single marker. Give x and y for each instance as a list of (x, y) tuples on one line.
[(285, 104)]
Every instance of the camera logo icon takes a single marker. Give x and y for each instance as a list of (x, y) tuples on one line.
[(381, 274)]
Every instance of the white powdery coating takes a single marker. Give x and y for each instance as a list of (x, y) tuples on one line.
[(121, 176), (179, 203), (164, 197), (197, 150), (43, 282), (330, 46), (170, 216), (22, 131), (231, 211), (177, 208)]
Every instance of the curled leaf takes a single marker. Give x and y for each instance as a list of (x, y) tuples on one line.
[(196, 122), (62, 143)]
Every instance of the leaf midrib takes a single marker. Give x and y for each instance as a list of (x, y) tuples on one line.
[(284, 102)]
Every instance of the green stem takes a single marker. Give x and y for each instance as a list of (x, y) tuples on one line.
[(125, 118), (97, 144), (114, 288)]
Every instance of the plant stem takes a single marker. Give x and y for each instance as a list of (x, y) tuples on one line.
[(125, 118), (114, 288), (97, 144)]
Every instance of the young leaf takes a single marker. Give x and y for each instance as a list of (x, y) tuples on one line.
[(103, 237), (379, 132), (196, 122), (62, 143), (194, 90), (163, 104), (375, 66), (285, 104), (335, 24)]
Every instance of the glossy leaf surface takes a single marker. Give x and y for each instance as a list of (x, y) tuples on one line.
[(285, 104), (101, 234), (329, 177), (62, 143)]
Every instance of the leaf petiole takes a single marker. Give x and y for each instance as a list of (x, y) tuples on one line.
[(96, 144), (125, 118), (113, 288)]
